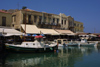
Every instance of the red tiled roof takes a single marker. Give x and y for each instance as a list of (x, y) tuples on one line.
[(28, 10), (3, 11), (36, 11)]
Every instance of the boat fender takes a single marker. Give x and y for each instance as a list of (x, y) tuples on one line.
[(51, 48), (44, 47)]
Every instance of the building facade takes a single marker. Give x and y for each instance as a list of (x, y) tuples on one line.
[(78, 26), (5, 19), (67, 22), (40, 19), (44, 20)]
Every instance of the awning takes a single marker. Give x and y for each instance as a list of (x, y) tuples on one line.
[(10, 32), (49, 31), (83, 35), (65, 32), (13, 31), (92, 35), (71, 34), (31, 29)]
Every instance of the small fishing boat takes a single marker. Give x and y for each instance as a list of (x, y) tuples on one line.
[(31, 44), (65, 43), (61, 42), (88, 44), (72, 44)]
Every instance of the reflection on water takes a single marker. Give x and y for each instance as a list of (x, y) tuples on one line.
[(65, 57)]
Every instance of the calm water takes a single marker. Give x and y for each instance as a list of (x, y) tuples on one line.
[(68, 57)]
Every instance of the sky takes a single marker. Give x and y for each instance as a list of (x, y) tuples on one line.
[(85, 11)]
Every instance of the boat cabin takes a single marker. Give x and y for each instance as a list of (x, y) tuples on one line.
[(61, 41), (83, 40)]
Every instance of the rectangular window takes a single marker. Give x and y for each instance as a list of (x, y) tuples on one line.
[(44, 19), (40, 18), (53, 20), (3, 21), (78, 25), (81, 25), (35, 19), (49, 20), (29, 19), (70, 23), (62, 22), (57, 21), (65, 22), (14, 16), (74, 24)]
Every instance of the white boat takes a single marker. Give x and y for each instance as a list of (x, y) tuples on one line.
[(61, 42), (72, 44), (30, 45), (85, 43), (65, 43)]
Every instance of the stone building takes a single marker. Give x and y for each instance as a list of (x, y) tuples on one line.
[(40, 19), (5, 18), (67, 22), (78, 26)]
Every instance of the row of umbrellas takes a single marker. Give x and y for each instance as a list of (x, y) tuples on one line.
[(34, 35)]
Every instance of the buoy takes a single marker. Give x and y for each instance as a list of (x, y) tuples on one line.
[(54, 50)]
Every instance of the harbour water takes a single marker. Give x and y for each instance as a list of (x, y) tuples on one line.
[(64, 57)]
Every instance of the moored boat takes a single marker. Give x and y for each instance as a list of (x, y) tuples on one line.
[(87, 44), (61, 42), (35, 45), (72, 44)]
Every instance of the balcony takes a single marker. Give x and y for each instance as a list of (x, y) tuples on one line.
[(28, 22), (48, 25)]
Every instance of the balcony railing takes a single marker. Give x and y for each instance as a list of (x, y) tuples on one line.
[(45, 23), (48, 25), (28, 22)]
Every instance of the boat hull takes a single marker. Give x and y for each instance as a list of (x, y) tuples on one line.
[(72, 44), (25, 49), (87, 45)]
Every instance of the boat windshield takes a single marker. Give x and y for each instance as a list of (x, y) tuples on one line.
[(27, 38), (13, 39), (59, 41), (64, 40), (39, 39)]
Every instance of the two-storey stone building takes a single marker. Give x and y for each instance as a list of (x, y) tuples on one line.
[(42, 19), (67, 22)]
